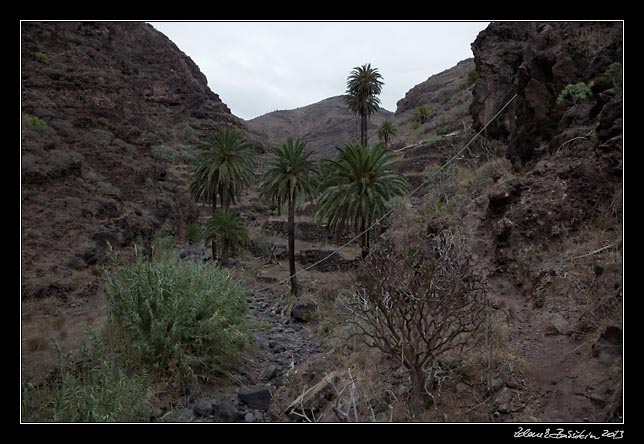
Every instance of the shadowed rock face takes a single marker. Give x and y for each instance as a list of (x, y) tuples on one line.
[(536, 61), (322, 125), (111, 115)]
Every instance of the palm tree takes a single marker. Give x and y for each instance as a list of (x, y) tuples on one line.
[(363, 87), (289, 175), (223, 168), (226, 227), (386, 130), (422, 114), (362, 180)]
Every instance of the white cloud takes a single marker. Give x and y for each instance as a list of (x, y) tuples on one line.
[(258, 67)]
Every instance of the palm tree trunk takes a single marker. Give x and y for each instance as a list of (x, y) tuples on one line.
[(213, 245), (291, 245), (364, 242), (224, 197), (224, 254), (363, 128)]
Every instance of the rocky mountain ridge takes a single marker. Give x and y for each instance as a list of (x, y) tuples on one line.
[(322, 125)]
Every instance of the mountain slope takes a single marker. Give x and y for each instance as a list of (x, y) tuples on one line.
[(322, 125), (447, 95), (111, 113)]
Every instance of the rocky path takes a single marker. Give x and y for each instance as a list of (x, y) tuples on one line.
[(281, 341), (555, 376)]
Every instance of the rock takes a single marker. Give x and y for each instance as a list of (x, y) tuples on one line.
[(461, 387), (269, 372), (204, 407), (527, 58), (266, 278), (258, 398), (260, 341), (304, 333), (503, 400), (497, 384), (225, 411), (608, 346), (249, 417), (558, 326), (303, 310)]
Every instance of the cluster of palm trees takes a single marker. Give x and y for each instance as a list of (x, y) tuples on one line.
[(351, 190)]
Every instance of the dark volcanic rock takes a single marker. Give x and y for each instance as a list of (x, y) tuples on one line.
[(306, 231), (108, 109), (536, 60), (333, 263), (303, 310), (256, 397)]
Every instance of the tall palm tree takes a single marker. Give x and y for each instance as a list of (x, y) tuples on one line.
[(226, 227), (361, 181), (223, 168), (386, 130), (363, 87), (289, 175)]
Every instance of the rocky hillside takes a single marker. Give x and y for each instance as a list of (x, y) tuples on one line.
[(322, 125), (548, 234), (537, 61), (111, 113), (447, 95)]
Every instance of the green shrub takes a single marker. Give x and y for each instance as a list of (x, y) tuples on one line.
[(93, 389), (471, 78), (35, 121), (103, 137), (107, 188), (415, 124), (42, 57), (576, 92), (163, 154), (600, 83), (194, 233), (178, 320)]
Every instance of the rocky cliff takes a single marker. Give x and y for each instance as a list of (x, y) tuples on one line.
[(322, 125), (537, 60), (111, 113)]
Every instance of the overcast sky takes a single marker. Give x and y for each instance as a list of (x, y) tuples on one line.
[(259, 67)]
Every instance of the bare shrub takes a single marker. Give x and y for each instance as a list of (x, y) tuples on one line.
[(414, 305)]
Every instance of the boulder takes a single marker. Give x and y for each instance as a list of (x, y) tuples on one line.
[(225, 411), (258, 398), (204, 407), (303, 310), (608, 346), (269, 372)]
